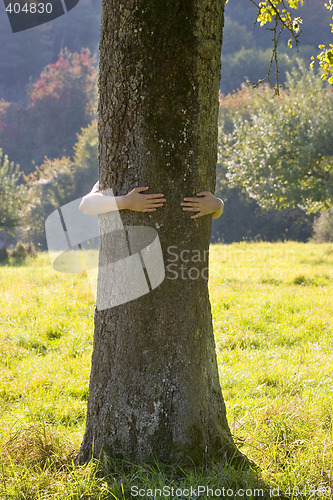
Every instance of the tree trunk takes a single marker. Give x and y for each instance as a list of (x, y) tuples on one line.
[(154, 387), (3, 246)]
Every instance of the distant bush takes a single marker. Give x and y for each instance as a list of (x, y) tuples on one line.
[(11, 196), (46, 189), (59, 181), (323, 227), (3, 253), (244, 220), (22, 250)]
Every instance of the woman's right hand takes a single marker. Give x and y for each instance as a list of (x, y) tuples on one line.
[(138, 202)]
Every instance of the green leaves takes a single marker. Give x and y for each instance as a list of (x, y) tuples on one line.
[(279, 10), (281, 150), (329, 56)]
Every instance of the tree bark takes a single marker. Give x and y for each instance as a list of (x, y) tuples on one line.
[(154, 387)]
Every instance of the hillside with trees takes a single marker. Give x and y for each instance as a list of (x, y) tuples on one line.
[(48, 99), (25, 54)]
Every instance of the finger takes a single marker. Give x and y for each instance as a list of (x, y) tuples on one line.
[(153, 196), (203, 193), (193, 209), (197, 215), (194, 200), (190, 205), (149, 210), (139, 189), (152, 205)]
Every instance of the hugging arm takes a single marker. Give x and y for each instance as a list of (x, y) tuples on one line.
[(96, 202)]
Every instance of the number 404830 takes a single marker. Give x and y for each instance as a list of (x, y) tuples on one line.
[(29, 8)]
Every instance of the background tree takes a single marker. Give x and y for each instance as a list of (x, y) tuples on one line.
[(10, 198), (61, 102), (245, 220), (15, 137), (86, 160), (323, 227), (283, 153), (28, 52)]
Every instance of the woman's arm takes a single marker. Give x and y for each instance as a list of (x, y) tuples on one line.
[(205, 203), (96, 202)]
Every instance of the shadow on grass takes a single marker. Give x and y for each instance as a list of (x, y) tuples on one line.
[(37, 460), (158, 480)]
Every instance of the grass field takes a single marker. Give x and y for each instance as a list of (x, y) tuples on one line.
[(272, 310)]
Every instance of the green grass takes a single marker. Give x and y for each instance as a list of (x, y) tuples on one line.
[(272, 310)]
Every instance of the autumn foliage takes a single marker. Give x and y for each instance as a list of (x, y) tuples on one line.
[(60, 103)]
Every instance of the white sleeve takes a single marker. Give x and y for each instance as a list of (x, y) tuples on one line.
[(95, 187), (96, 202)]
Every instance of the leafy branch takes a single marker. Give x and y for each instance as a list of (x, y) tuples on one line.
[(279, 12)]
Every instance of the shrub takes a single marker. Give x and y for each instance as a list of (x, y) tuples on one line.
[(323, 227)]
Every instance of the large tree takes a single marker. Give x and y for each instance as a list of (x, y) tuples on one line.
[(154, 385)]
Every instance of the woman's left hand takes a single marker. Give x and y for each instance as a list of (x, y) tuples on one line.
[(204, 203)]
